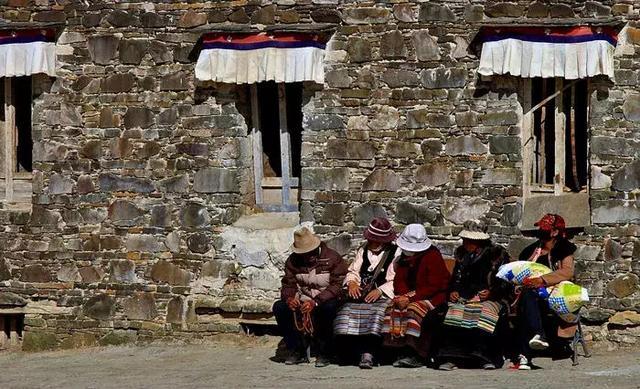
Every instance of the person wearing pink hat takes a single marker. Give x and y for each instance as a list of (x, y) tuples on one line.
[(369, 285)]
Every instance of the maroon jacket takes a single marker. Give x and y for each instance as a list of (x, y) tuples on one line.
[(425, 274), (318, 278)]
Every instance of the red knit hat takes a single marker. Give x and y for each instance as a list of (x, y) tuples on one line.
[(550, 222), (380, 230)]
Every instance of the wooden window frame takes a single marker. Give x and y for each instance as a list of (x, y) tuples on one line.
[(10, 139), (529, 188), (286, 182)]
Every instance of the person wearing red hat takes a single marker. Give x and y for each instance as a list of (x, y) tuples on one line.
[(555, 251), (369, 284)]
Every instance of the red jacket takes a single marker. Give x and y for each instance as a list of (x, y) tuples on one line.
[(424, 273)]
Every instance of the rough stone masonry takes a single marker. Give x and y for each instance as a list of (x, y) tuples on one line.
[(143, 222)]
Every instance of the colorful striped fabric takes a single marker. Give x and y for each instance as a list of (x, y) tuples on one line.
[(360, 318), (567, 52), (482, 315), (251, 58), (406, 322)]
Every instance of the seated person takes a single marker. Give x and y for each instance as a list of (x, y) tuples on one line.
[(420, 288), (554, 250), (477, 301), (370, 288), (310, 296)]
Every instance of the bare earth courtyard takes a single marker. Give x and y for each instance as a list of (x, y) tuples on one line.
[(246, 364)]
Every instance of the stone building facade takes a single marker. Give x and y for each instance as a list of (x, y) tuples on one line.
[(142, 221)]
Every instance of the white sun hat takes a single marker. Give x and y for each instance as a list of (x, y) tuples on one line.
[(474, 230), (414, 238)]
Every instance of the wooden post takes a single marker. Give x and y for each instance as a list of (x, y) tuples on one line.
[(285, 147), (559, 178), (10, 139), (256, 136), (574, 157), (542, 146), (527, 138)]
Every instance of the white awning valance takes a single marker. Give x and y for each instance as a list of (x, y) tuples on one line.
[(570, 53), (27, 52), (250, 58)]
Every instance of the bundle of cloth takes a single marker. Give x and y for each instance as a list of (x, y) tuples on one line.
[(564, 298)]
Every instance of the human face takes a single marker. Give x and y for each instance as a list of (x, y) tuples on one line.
[(374, 246), (469, 245), (408, 253)]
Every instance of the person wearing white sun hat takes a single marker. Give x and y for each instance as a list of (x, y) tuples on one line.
[(420, 288), (477, 302)]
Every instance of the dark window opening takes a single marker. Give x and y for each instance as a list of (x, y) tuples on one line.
[(270, 126), (11, 329), (22, 100), (575, 142)]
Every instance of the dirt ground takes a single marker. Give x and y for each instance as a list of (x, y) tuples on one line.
[(245, 363)]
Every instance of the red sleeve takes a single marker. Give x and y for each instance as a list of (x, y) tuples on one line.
[(433, 279)]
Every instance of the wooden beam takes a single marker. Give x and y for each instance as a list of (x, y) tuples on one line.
[(553, 96), (256, 138), (10, 139), (527, 136), (285, 146), (542, 147), (559, 177), (574, 157)]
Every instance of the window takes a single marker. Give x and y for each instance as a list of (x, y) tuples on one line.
[(555, 136), (16, 141), (276, 116)]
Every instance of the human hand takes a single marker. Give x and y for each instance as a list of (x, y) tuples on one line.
[(293, 303), (483, 294), (307, 306), (373, 296), (454, 297), (354, 290), (401, 302), (533, 282)]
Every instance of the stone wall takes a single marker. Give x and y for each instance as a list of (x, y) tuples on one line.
[(141, 225)]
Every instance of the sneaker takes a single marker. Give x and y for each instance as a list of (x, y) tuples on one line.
[(489, 366), (538, 343), (322, 361), (296, 358), (366, 361), (523, 363), (409, 362), (447, 366)]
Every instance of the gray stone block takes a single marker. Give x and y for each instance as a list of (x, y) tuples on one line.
[(408, 213), (110, 182), (465, 145), (103, 48), (349, 149), (215, 180), (325, 179), (194, 215), (363, 214), (381, 180), (432, 175), (100, 307), (627, 178)]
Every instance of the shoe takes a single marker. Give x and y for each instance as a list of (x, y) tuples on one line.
[(489, 366), (447, 366), (409, 362), (538, 343), (366, 361), (296, 358), (322, 361), (523, 363)]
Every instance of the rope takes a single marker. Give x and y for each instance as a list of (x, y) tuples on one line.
[(307, 323)]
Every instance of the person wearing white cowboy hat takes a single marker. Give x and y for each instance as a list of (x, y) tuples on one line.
[(311, 292), (369, 284), (469, 338), (420, 288)]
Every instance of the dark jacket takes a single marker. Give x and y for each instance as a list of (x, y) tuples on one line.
[(318, 278), (476, 272), (422, 277)]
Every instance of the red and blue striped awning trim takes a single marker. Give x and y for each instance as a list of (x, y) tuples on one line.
[(26, 36), (260, 41), (551, 35)]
